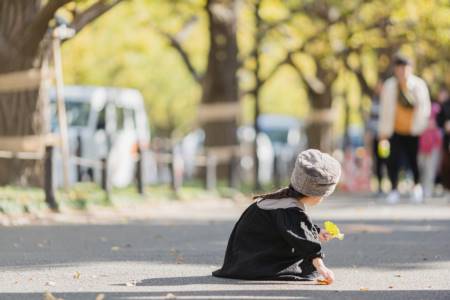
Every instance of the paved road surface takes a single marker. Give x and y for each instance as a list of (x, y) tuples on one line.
[(390, 252)]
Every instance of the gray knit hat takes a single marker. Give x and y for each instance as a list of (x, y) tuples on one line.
[(315, 173)]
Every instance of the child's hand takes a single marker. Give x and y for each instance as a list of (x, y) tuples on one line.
[(324, 236), (327, 274)]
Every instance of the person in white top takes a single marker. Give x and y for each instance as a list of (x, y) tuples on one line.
[(404, 112)]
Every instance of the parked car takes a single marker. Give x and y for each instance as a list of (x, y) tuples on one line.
[(103, 122), (288, 139), (280, 139)]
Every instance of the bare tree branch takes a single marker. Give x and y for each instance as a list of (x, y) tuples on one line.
[(320, 10), (314, 84), (366, 88), (91, 13), (175, 42), (319, 13), (270, 75), (287, 59), (185, 57), (276, 68)]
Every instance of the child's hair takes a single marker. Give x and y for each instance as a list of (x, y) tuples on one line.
[(287, 192)]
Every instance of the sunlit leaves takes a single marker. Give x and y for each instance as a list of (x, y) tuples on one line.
[(120, 50), (273, 10), (339, 37)]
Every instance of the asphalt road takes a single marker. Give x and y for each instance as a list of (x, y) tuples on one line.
[(389, 252)]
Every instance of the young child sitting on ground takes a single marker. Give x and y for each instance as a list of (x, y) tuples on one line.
[(274, 238)]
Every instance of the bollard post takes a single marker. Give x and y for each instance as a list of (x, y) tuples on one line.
[(139, 172), (211, 172), (233, 179), (105, 178), (78, 153), (276, 170), (49, 186), (175, 168)]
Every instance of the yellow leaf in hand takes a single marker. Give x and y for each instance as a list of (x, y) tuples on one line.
[(333, 230)]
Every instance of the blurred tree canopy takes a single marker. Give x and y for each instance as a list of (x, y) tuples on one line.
[(124, 49), (312, 54), (315, 59)]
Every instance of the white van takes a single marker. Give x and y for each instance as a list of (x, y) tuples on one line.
[(102, 120)]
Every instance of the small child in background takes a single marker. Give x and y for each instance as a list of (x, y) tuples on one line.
[(275, 238), (430, 143)]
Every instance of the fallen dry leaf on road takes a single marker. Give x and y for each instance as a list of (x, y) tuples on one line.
[(131, 283), (364, 289), (322, 282), (100, 297), (179, 259), (171, 296), (76, 275), (49, 296)]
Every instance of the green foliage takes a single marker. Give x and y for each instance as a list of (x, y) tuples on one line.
[(335, 41), (122, 49), (348, 44)]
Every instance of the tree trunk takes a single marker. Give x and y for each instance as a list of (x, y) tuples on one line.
[(220, 83), (320, 129), (21, 112)]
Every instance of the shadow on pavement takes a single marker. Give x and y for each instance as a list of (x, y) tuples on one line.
[(237, 294), (207, 279)]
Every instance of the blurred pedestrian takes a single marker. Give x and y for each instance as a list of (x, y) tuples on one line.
[(430, 145), (378, 161), (404, 113), (443, 120)]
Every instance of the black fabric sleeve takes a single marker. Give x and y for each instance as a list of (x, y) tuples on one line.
[(296, 228), (317, 228)]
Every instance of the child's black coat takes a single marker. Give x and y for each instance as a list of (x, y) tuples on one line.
[(273, 240)]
